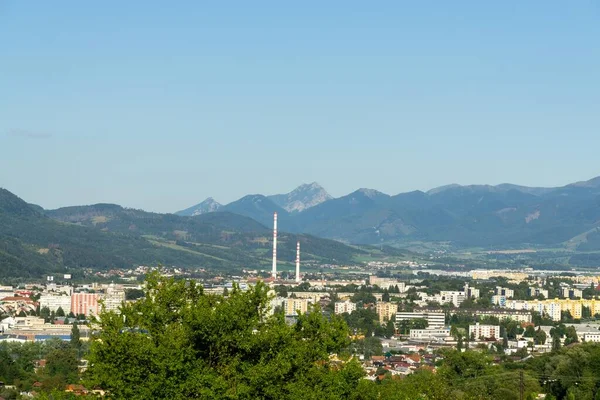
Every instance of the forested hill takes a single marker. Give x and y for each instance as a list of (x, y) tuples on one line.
[(104, 236)]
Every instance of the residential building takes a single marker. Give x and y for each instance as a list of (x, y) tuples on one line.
[(293, 307), (54, 302), (434, 319), (471, 292), (516, 315), (499, 300), (500, 291), (386, 310), (572, 293), (113, 298), (386, 283), (456, 298), (535, 292), (484, 331), (344, 307), (84, 303)]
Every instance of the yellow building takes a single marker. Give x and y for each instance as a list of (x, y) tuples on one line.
[(296, 306), (386, 310)]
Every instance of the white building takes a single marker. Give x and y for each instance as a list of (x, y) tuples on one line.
[(572, 293), (54, 302), (386, 283), (471, 292), (429, 333), (535, 292), (500, 291), (456, 298), (499, 300), (344, 307), (591, 337), (113, 298), (434, 319), (484, 331)]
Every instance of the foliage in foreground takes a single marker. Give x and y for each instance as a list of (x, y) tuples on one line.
[(181, 343)]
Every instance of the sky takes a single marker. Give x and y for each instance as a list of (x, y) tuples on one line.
[(158, 105)]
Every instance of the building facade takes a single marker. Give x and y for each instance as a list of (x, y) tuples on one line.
[(479, 331), (386, 310), (84, 303)]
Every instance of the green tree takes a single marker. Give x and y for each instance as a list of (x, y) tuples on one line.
[(386, 296), (179, 342), (571, 336), (390, 329), (60, 312), (540, 336), (45, 313), (555, 343), (529, 331), (76, 338)]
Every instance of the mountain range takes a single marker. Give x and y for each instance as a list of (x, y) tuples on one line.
[(504, 215), (34, 241)]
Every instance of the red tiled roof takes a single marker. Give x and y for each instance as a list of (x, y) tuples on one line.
[(24, 299)]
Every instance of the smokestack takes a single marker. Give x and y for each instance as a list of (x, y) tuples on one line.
[(274, 270), (298, 262)]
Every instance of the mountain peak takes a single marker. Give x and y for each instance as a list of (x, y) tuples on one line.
[(303, 197), (371, 193), (207, 206)]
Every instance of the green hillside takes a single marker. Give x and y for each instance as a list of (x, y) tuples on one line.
[(106, 236)]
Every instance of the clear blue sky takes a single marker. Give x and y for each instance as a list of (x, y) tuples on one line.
[(157, 105)]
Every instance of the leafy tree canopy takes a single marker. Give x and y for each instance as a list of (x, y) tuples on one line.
[(179, 343)]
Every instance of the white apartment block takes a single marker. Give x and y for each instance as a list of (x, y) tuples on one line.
[(434, 319), (509, 293), (112, 299), (456, 298), (471, 292), (386, 310), (535, 292), (386, 283), (344, 307), (572, 293), (499, 300), (516, 315), (484, 331), (54, 302)]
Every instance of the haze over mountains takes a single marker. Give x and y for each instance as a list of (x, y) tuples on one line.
[(472, 215)]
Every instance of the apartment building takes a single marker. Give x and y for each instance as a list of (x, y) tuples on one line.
[(500, 291), (484, 331), (84, 303), (434, 319), (344, 307), (572, 293), (386, 310), (54, 302), (535, 292)]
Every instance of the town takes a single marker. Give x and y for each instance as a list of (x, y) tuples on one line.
[(398, 326)]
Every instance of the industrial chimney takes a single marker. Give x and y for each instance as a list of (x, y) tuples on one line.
[(274, 270), (298, 262)]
